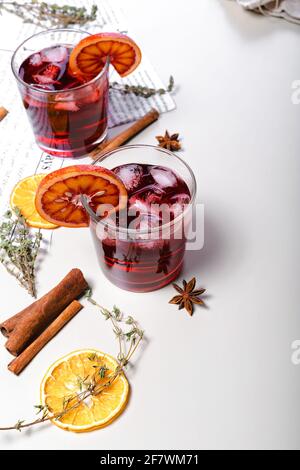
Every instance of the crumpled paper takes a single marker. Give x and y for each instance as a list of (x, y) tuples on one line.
[(287, 9)]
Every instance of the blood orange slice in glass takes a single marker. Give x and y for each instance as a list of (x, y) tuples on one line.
[(88, 58), (58, 197)]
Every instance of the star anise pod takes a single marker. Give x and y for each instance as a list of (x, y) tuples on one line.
[(170, 142), (188, 296)]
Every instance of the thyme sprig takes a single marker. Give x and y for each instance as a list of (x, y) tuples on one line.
[(45, 15), (133, 335), (129, 336), (143, 91), (19, 249)]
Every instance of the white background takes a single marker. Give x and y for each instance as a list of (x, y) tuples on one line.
[(223, 378)]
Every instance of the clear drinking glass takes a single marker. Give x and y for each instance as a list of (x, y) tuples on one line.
[(71, 121), (138, 257)]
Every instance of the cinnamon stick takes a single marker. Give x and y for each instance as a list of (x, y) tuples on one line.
[(9, 325), (19, 363), (27, 325), (3, 112), (126, 135)]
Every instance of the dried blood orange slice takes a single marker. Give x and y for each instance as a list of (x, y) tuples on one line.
[(88, 58), (58, 197)]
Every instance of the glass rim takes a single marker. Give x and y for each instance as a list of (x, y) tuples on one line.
[(54, 92), (132, 231)]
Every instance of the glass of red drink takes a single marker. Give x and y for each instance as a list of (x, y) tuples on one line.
[(68, 117), (142, 248)]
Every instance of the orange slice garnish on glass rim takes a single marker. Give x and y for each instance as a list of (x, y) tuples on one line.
[(89, 57), (58, 197)]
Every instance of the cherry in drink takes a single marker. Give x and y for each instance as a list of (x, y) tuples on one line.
[(69, 117), (151, 255)]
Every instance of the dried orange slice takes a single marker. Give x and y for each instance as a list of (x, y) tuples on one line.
[(70, 376), (88, 58), (58, 197), (23, 197)]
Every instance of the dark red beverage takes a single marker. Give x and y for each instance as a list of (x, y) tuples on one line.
[(150, 256), (69, 118)]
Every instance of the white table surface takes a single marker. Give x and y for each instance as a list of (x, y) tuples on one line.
[(223, 378)]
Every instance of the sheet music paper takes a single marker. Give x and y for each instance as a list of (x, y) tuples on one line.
[(20, 156)]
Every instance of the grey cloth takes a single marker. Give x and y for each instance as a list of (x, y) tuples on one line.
[(287, 9)]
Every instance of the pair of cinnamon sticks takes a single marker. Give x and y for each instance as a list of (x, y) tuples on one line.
[(31, 329)]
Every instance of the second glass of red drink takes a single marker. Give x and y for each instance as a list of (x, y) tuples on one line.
[(142, 248)]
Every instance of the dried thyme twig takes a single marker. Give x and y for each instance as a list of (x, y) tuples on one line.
[(19, 249), (143, 91), (45, 15)]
